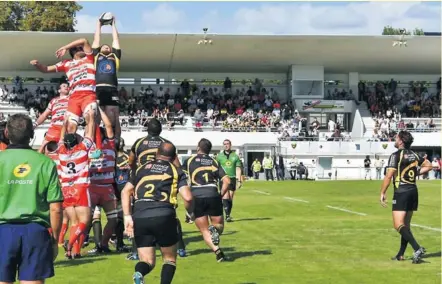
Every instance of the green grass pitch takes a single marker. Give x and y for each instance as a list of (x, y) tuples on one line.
[(284, 233)]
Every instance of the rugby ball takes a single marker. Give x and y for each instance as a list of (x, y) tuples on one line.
[(106, 18)]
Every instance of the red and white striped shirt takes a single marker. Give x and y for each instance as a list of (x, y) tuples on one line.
[(58, 106), (54, 157), (80, 73), (102, 170), (74, 163)]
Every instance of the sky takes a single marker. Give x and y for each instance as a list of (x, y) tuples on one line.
[(294, 18)]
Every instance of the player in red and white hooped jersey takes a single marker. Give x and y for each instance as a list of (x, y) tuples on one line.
[(56, 109), (102, 190), (73, 154), (80, 71)]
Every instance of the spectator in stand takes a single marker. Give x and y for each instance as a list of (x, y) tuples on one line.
[(436, 168)]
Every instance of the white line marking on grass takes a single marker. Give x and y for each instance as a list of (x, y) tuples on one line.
[(346, 210), (426, 227), (295, 199), (261, 192)]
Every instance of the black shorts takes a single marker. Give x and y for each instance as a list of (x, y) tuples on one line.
[(208, 206), (405, 201), (152, 231), (232, 185), (108, 96)]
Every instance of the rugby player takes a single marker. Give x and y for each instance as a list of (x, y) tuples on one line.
[(144, 150), (404, 166), (204, 173), (107, 63), (51, 152), (154, 187), (74, 161), (80, 71), (232, 165), (102, 191), (56, 109), (121, 178)]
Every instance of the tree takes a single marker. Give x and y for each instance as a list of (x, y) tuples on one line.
[(53, 16), (389, 30), (10, 15)]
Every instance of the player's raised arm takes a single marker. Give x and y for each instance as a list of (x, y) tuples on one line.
[(43, 68), (83, 42), (115, 36), (97, 36)]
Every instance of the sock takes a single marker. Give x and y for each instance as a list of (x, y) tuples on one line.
[(403, 247), (76, 249), (167, 272), (81, 240), (76, 231), (64, 229), (119, 232), (96, 226), (143, 267), (231, 206), (98, 140), (226, 206), (408, 236), (181, 244)]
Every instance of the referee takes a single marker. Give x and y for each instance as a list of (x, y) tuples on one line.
[(30, 207), (153, 221), (404, 166)]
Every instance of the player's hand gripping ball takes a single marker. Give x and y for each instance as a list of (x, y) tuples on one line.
[(106, 18)]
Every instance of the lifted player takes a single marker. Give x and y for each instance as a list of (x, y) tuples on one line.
[(80, 71), (204, 174), (144, 150), (404, 166), (107, 63), (154, 187), (56, 109), (232, 165)]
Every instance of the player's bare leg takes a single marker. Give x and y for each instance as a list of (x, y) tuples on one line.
[(211, 233), (91, 117), (146, 263), (64, 228), (73, 220), (110, 208), (113, 113), (400, 219)]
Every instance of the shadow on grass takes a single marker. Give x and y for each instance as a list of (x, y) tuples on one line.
[(231, 254), (433, 254), (76, 262), (253, 219), (199, 238)]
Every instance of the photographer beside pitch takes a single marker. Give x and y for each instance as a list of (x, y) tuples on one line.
[(404, 166), (30, 204)]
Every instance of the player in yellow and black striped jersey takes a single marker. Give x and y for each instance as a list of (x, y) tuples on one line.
[(204, 175), (143, 151), (154, 187), (404, 166)]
